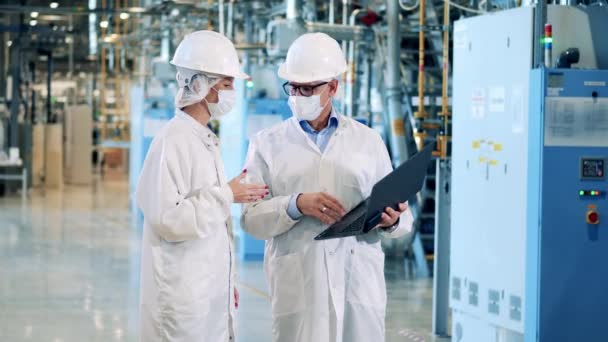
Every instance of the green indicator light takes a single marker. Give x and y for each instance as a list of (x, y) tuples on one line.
[(249, 84), (548, 40), (581, 193)]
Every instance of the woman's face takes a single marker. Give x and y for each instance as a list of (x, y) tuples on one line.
[(225, 84)]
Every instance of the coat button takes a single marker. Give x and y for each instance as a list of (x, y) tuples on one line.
[(352, 251)]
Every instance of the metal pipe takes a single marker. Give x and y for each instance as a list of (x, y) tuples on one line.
[(441, 263), (102, 83), (70, 51), (3, 73), (32, 66), (421, 113), (393, 85), (209, 21), (83, 10), (254, 46), (16, 80), (49, 78), (352, 67), (249, 40), (221, 15), (118, 91), (332, 10), (345, 5), (370, 71), (293, 9), (230, 27), (164, 43), (338, 31), (442, 139)]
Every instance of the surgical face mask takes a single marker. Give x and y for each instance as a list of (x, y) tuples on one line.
[(306, 108), (225, 103)]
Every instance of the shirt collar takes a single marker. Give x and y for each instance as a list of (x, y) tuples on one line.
[(201, 130), (333, 123)]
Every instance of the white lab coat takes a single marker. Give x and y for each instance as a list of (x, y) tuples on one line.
[(187, 266), (322, 291)]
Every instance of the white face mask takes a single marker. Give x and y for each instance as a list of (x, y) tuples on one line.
[(225, 103), (307, 108)]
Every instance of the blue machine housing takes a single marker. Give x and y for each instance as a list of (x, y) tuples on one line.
[(148, 115), (261, 113), (261, 103), (566, 279)]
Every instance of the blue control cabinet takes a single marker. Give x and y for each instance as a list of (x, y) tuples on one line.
[(529, 209), (567, 246)]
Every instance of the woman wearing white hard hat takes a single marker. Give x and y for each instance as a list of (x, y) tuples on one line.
[(187, 267), (329, 290)]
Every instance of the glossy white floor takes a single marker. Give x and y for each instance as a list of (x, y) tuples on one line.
[(69, 269)]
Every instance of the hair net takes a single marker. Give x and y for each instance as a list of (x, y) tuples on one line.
[(193, 86)]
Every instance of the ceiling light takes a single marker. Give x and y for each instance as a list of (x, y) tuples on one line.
[(9, 43), (103, 24), (124, 15), (54, 5), (33, 22), (34, 14)]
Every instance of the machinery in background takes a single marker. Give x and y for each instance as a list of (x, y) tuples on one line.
[(261, 104), (78, 145), (151, 109), (529, 193)]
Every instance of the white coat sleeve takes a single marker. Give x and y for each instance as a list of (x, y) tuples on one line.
[(266, 218), (171, 208), (383, 168)]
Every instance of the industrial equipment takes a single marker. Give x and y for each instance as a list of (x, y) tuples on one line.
[(261, 104), (529, 189), (150, 111)]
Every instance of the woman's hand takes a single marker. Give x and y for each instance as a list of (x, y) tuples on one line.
[(247, 193)]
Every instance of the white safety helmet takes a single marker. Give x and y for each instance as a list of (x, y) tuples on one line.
[(208, 52), (313, 57)]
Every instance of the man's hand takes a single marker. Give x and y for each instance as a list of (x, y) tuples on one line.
[(321, 206), (390, 215)]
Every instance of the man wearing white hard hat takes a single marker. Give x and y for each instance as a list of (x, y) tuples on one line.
[(187, 266), (319, 165)]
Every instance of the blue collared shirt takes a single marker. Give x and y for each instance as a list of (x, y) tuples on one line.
[(321, 139)]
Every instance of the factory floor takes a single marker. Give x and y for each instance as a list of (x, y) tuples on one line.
[(69, 271)]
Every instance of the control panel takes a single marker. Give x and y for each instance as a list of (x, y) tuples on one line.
[(593, 168)]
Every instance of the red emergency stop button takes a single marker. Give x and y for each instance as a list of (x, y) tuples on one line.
[(593, 217)]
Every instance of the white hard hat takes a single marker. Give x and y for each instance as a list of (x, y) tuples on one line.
[(313, 57), (208, 52)]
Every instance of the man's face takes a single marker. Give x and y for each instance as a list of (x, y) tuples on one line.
[(224, 84), (326, 90)]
